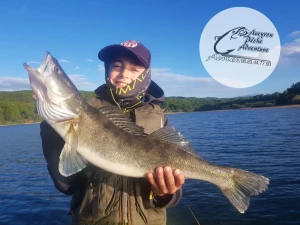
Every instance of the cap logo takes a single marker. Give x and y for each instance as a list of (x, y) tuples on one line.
[(129, 44)]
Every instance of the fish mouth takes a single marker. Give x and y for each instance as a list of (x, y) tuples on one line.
[(43, 65), (37, 80)]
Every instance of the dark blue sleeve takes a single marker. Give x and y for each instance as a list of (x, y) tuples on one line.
[(166, 121), (52, 145)]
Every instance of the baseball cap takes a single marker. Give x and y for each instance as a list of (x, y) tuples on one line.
[(137, 48)]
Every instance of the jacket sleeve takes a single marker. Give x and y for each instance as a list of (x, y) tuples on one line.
[(52, 145), (166, 201), (166, 120)]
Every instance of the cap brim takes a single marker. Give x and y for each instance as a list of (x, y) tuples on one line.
[(107, 53)]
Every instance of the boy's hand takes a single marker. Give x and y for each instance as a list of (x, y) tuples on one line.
[(164, 180)]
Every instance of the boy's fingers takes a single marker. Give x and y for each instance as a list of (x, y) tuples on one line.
[(159, 177), (169, 180), (152, 181), (179, 178)]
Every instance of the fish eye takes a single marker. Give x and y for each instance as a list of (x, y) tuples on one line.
[(57, 70)]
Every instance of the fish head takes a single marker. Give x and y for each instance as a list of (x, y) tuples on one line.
[(57, 98)]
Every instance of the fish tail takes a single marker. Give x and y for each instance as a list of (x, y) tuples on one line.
[(243, 185)]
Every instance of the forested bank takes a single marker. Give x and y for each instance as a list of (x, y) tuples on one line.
[(180, 104), (19, 106)]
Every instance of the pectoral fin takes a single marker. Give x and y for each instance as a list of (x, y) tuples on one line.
[(70, 162)]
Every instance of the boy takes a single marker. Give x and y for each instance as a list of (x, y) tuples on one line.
[(100, 197)]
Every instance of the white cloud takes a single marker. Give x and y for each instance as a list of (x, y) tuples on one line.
[(76, 68), (81, 82), (290, 52), (89, 60), (63, 60), (17, 84), (165, 74), (295, 33), (175, 84), (14, 84), (34, 62), (291, 48), (101, 68)]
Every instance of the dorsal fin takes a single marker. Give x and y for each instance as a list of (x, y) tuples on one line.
[(170, 135), (122, 120)]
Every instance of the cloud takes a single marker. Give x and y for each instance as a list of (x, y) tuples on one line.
[(76, 68), (81, 82), (175, 84), (291, 48), (14, 84), (89, 60), (290, 52), (34, 62), (165, 74), (63, 60), (295, 33), (101, 68), (201, 86), (18, 84)]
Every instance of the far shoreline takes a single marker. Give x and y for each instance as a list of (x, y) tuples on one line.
[(254, 108), (169, 113), (15, 124)]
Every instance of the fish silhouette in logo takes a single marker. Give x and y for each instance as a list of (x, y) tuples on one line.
[(237, 33)]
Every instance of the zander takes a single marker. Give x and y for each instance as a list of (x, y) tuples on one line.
[(109, 139)]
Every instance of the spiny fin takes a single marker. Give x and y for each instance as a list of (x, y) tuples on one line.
[(170, 135), (70, 162), (245, 184), (122, 120)]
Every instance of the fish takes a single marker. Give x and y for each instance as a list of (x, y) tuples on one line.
[(109, 139)]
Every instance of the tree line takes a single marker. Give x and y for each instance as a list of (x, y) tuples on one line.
[(19, 106), (181, 104)]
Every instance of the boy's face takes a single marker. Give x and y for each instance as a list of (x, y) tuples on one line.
[(123, 70)]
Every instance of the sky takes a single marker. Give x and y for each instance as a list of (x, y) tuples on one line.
[(75, 31)]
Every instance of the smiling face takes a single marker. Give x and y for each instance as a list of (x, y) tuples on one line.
[(124, 69)]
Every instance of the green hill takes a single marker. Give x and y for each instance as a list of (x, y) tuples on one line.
[(19, 106)]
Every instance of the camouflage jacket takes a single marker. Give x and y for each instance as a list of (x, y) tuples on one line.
[(100, 197)]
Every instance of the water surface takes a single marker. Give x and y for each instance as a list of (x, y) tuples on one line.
[(265, 141)]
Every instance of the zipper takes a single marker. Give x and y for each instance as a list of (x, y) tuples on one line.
[(125, 199)]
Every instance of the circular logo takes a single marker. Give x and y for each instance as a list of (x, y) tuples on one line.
[(239, 47)]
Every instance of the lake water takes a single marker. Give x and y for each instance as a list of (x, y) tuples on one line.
[(265, 141)]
